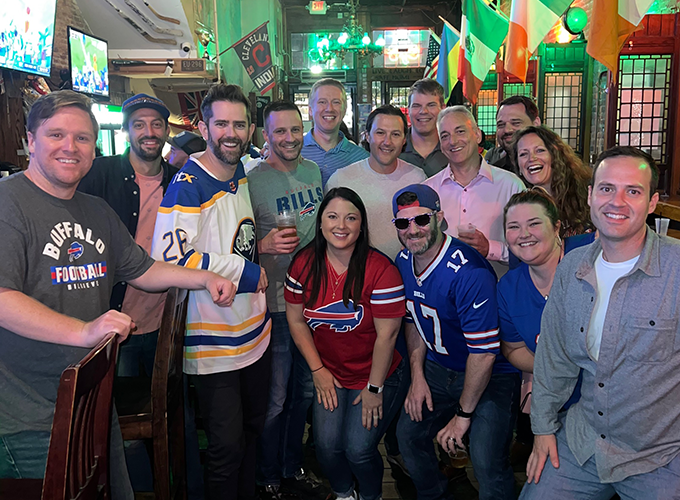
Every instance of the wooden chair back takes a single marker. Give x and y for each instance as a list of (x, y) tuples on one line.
[(78, 457)]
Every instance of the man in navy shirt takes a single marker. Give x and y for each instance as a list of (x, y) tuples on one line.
[(453, 342)]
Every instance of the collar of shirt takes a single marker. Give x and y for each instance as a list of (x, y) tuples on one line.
[(410, 149), (343, 145), (485, 172), (649, 261)]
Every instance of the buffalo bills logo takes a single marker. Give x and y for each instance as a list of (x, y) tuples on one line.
[(336, 316), (308, 210), (75, 251), (244, 240)]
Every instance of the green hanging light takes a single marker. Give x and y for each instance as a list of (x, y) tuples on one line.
[(574, 20)]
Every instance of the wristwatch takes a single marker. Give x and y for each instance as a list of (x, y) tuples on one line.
[(374, 388), (461, 413)]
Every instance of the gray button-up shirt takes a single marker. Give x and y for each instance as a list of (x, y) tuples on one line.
[(629, 412)]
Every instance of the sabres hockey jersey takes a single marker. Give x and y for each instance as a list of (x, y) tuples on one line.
[(205, 223)]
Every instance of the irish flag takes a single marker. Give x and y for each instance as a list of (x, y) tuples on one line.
[(611, 23), (482, 33), (530, 21)]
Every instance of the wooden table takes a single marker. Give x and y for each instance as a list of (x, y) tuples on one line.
[(669, 208)]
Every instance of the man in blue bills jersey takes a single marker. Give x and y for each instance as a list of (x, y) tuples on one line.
[(457, 384)]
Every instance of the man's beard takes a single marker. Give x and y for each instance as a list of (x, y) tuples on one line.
[(230, 158), (431, 240), (146, 155)]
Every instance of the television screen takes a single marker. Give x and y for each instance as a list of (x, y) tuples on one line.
[(26, 35), (88, 56)]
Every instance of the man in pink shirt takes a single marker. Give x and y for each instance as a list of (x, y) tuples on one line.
[(472, 192)]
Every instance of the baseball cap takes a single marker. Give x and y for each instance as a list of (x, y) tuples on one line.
[(188, 142), (140, 101), (425, 197)]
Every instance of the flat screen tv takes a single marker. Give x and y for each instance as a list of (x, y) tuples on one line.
[(88, 58), (27, 35)]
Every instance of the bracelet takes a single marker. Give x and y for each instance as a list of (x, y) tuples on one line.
[(319, 368)]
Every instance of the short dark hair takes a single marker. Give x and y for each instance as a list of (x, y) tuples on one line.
[(277, 106), (427, 86), (534, 196), (529, 105), (48, 105), (223, 92), (633, 153), (387, 109)]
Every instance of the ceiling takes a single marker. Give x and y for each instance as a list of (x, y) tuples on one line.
[(124, 41)]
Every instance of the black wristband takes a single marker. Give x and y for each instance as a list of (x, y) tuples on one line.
[(319, 368), (461, 413)]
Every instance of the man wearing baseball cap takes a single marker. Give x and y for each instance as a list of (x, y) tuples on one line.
[(451, 326), (182, 146), (133, 184)]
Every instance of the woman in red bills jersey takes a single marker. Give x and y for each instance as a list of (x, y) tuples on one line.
[(352, 297)]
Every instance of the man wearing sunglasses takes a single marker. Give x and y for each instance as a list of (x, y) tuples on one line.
[(473, 193), (452, 339)]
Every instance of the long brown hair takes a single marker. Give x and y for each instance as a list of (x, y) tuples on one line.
[(569, 181), (316, 277)]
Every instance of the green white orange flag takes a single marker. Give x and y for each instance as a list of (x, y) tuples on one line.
[(612, 21), (482, 33), (530, 21)]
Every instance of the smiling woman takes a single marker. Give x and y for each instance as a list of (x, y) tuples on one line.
[(352, 298), (545, 160)]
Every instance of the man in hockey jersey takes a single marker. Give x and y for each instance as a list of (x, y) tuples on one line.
[(206, 222), (452, 338)]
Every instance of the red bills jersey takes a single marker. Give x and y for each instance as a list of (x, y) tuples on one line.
[(343, 335)]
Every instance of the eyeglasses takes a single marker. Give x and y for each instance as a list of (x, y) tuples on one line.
[(421, 220)]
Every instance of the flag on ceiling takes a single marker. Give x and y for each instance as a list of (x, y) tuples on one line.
[(432, 57), (483, 31), (530, 21), (449, 52), (612, 21)]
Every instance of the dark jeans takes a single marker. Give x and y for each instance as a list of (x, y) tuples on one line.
[(271, 441), (490, 434), (345, 448), (137, 351), (299, 399), (24, 455), (233, 406)]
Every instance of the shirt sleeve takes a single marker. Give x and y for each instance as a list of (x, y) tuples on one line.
[(177, 231), (132, 261), (292, 289), (508, 330), (387, 296), (475, 301), (332, 182), (555, 374)]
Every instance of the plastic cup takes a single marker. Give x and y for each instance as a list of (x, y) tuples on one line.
[(286, 220), (466, 229), (662, 225)]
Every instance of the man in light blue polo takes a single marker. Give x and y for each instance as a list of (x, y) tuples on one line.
[(325, 145)]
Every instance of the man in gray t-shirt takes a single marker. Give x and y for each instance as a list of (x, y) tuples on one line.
[(62, 253), (283, 182)]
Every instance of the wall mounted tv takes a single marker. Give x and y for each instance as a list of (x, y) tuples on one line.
[(27, 35), (88, 58)]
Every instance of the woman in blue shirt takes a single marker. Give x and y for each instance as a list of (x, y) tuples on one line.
[(532, 230)]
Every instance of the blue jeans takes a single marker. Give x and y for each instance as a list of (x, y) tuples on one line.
[(572, 481), (24, 455), (345, 448), (490, 434), (270, 441), (135, 351), (294, 418)]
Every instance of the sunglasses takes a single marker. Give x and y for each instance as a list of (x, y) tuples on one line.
[(421, 220)]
